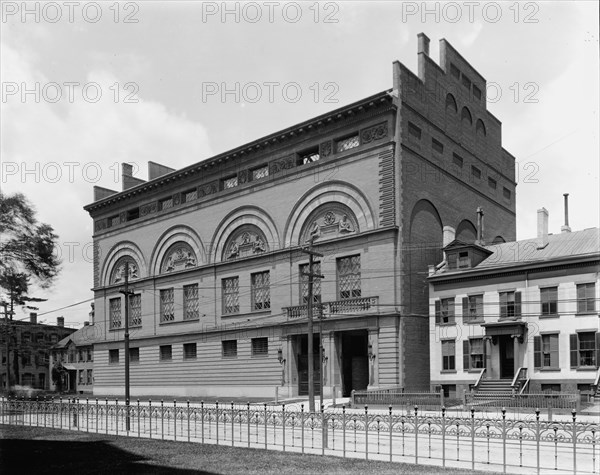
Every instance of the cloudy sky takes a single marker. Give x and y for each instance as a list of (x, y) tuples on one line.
[(87, 86)]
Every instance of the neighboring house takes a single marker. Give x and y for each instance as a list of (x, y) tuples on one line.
[(29, 349), (214, 250), (72, 359), (530, 304)]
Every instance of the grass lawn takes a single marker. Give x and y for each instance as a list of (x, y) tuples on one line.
[(35, 450)]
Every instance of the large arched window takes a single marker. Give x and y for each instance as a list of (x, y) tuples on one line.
[(451, 103), (465, 116)]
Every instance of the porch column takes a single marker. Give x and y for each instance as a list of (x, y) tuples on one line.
[(373, 352), (328, 364), (487, 341), (516, 352)]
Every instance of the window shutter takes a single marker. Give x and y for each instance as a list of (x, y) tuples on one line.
[(465, 309), (466, 355), (437, 311), (451, 310), (598, 349), (537, 352), (573, 340), (485, 353), (517, 304)]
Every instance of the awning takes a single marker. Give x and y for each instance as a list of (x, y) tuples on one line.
[(510, 327), (69, 367)]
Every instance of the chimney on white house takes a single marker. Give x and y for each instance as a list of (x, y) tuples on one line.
[(422, 51), (566, 228), (449, 234), (542, 228), (60, 321), (33, 317)]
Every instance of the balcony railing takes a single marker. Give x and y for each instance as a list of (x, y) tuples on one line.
[(346, 306)]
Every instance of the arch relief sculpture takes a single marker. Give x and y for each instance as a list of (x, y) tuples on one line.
[(180, 256), (246, 241), (328, 222)]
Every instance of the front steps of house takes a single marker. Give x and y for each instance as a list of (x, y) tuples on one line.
[(493, 390)]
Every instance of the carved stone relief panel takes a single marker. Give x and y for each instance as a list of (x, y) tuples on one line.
[(329, 221), (377, 132), (118, 272), (179, 256), (247, 240)]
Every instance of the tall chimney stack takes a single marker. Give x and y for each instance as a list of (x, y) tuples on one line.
[(60, 321), (480, 240), (33, 317), (542, 228), (566, 228), (422, 51)]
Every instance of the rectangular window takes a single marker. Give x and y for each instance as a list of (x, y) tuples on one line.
[(230, 182), (135, 310), (229, 348), (464, 261), (260, 172), (448, 355), (414, 131), (457, 160), (550, 351), (26, 338), (437, 146), (472, 308), (189, 351), (586, 298), (54, 337), (466, 81), (167, 305), (304, 278), (309, 156), (492, 183), (549, 299), (134, 355), (444, 311), (475, 172), (476, 92), (165, 204), (165, 353), (133, 214), (506, 193), (585, 349), (189, 195), (348, 277), (347, 144), (510, 304), (476, 353), (113, 356), (114, 310), (80, 376), (454, 71), (260, 346), (261, 291), (190, 302), (89, 376), (231, 295)]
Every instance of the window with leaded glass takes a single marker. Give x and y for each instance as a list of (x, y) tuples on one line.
[(260, 346), (586, 298), (135, 310), (549, 299), (165, 204), (444, 311), (167, 305), (348, 277), (114, 310), (261, 291), (472, 308), (309, 156), (304, 278), (189, 195), (231, 295), (448, 355), (510, 304), (190, 302), (260, 172), (348, 143), (230, 182)]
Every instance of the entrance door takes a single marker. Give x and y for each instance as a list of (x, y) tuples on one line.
[(355, 361), (507, 357), (303, 365)]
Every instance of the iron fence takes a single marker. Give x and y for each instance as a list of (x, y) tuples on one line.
[(529, 400), (401, 436)]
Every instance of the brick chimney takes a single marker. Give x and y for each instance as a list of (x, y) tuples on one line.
[(422, 51), (480, 240), (449, 234), (60, 321), (542, 228), (566, 228), (33, 317)]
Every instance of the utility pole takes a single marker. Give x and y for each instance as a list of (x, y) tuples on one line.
[(309, 311), (127, 293), (4, 304)]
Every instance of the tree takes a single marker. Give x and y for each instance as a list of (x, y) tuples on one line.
[(27, 251)]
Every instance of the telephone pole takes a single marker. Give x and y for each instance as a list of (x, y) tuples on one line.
[(127, 293), (309, 311)]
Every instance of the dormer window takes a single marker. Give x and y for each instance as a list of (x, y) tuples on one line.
[(464, 261)]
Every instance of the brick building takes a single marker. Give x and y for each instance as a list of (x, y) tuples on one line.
[(214, 249), (29, 350), (518, 312)]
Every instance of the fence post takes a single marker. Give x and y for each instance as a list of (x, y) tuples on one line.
[(188, 419), (578, 402), (537, 437), (366, 432), (390, 427), (442, 397), (87, 414), (323, 430), (138, 417), (283, 424), (344, 429), (302, 424), (472, 438), (117, 416), (150, 416), (503, 440), (162, 420), (175, 420), (202, 419), (232, 426), (248, 406), (574, 412), (106, 418), (416, 435), (265, 425), (443, 436)]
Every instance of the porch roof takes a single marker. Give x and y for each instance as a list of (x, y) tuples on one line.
[(509, 327)]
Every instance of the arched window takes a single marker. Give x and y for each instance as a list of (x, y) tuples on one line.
[(451, 103), (480, 127), (465, 116)]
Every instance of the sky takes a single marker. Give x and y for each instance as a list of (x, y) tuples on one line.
[(88, 85)]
